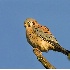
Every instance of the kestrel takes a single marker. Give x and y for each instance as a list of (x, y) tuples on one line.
[(40, 37)]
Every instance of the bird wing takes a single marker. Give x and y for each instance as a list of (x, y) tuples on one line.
[(50, 39), (44, 36)]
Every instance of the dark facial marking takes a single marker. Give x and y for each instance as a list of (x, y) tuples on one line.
[(33, 23)]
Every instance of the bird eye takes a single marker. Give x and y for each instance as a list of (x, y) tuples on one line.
[(29, 22), (33, 23)]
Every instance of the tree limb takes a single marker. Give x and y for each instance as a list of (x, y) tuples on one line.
[(42, 59)]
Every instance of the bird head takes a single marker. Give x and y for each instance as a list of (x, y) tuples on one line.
[(29, 22)]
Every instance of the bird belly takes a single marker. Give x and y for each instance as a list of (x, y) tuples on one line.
[(45, 46), (37, 42)]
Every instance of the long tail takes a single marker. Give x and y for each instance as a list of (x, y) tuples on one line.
[(58, 48)]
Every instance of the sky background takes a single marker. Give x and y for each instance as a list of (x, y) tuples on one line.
[(15, 52)]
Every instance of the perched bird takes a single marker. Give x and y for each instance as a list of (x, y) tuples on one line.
[(40, 37)]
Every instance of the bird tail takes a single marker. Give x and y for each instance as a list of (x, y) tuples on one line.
[(68, 55), (61, 49)]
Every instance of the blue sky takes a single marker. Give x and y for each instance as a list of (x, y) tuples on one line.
[(15, 52)]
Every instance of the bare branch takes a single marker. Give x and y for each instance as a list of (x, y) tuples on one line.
[(42, 59)]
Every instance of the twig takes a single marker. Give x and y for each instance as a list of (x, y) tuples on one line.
[(42, 59)]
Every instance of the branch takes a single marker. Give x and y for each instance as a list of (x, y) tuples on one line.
[(42, 59)]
